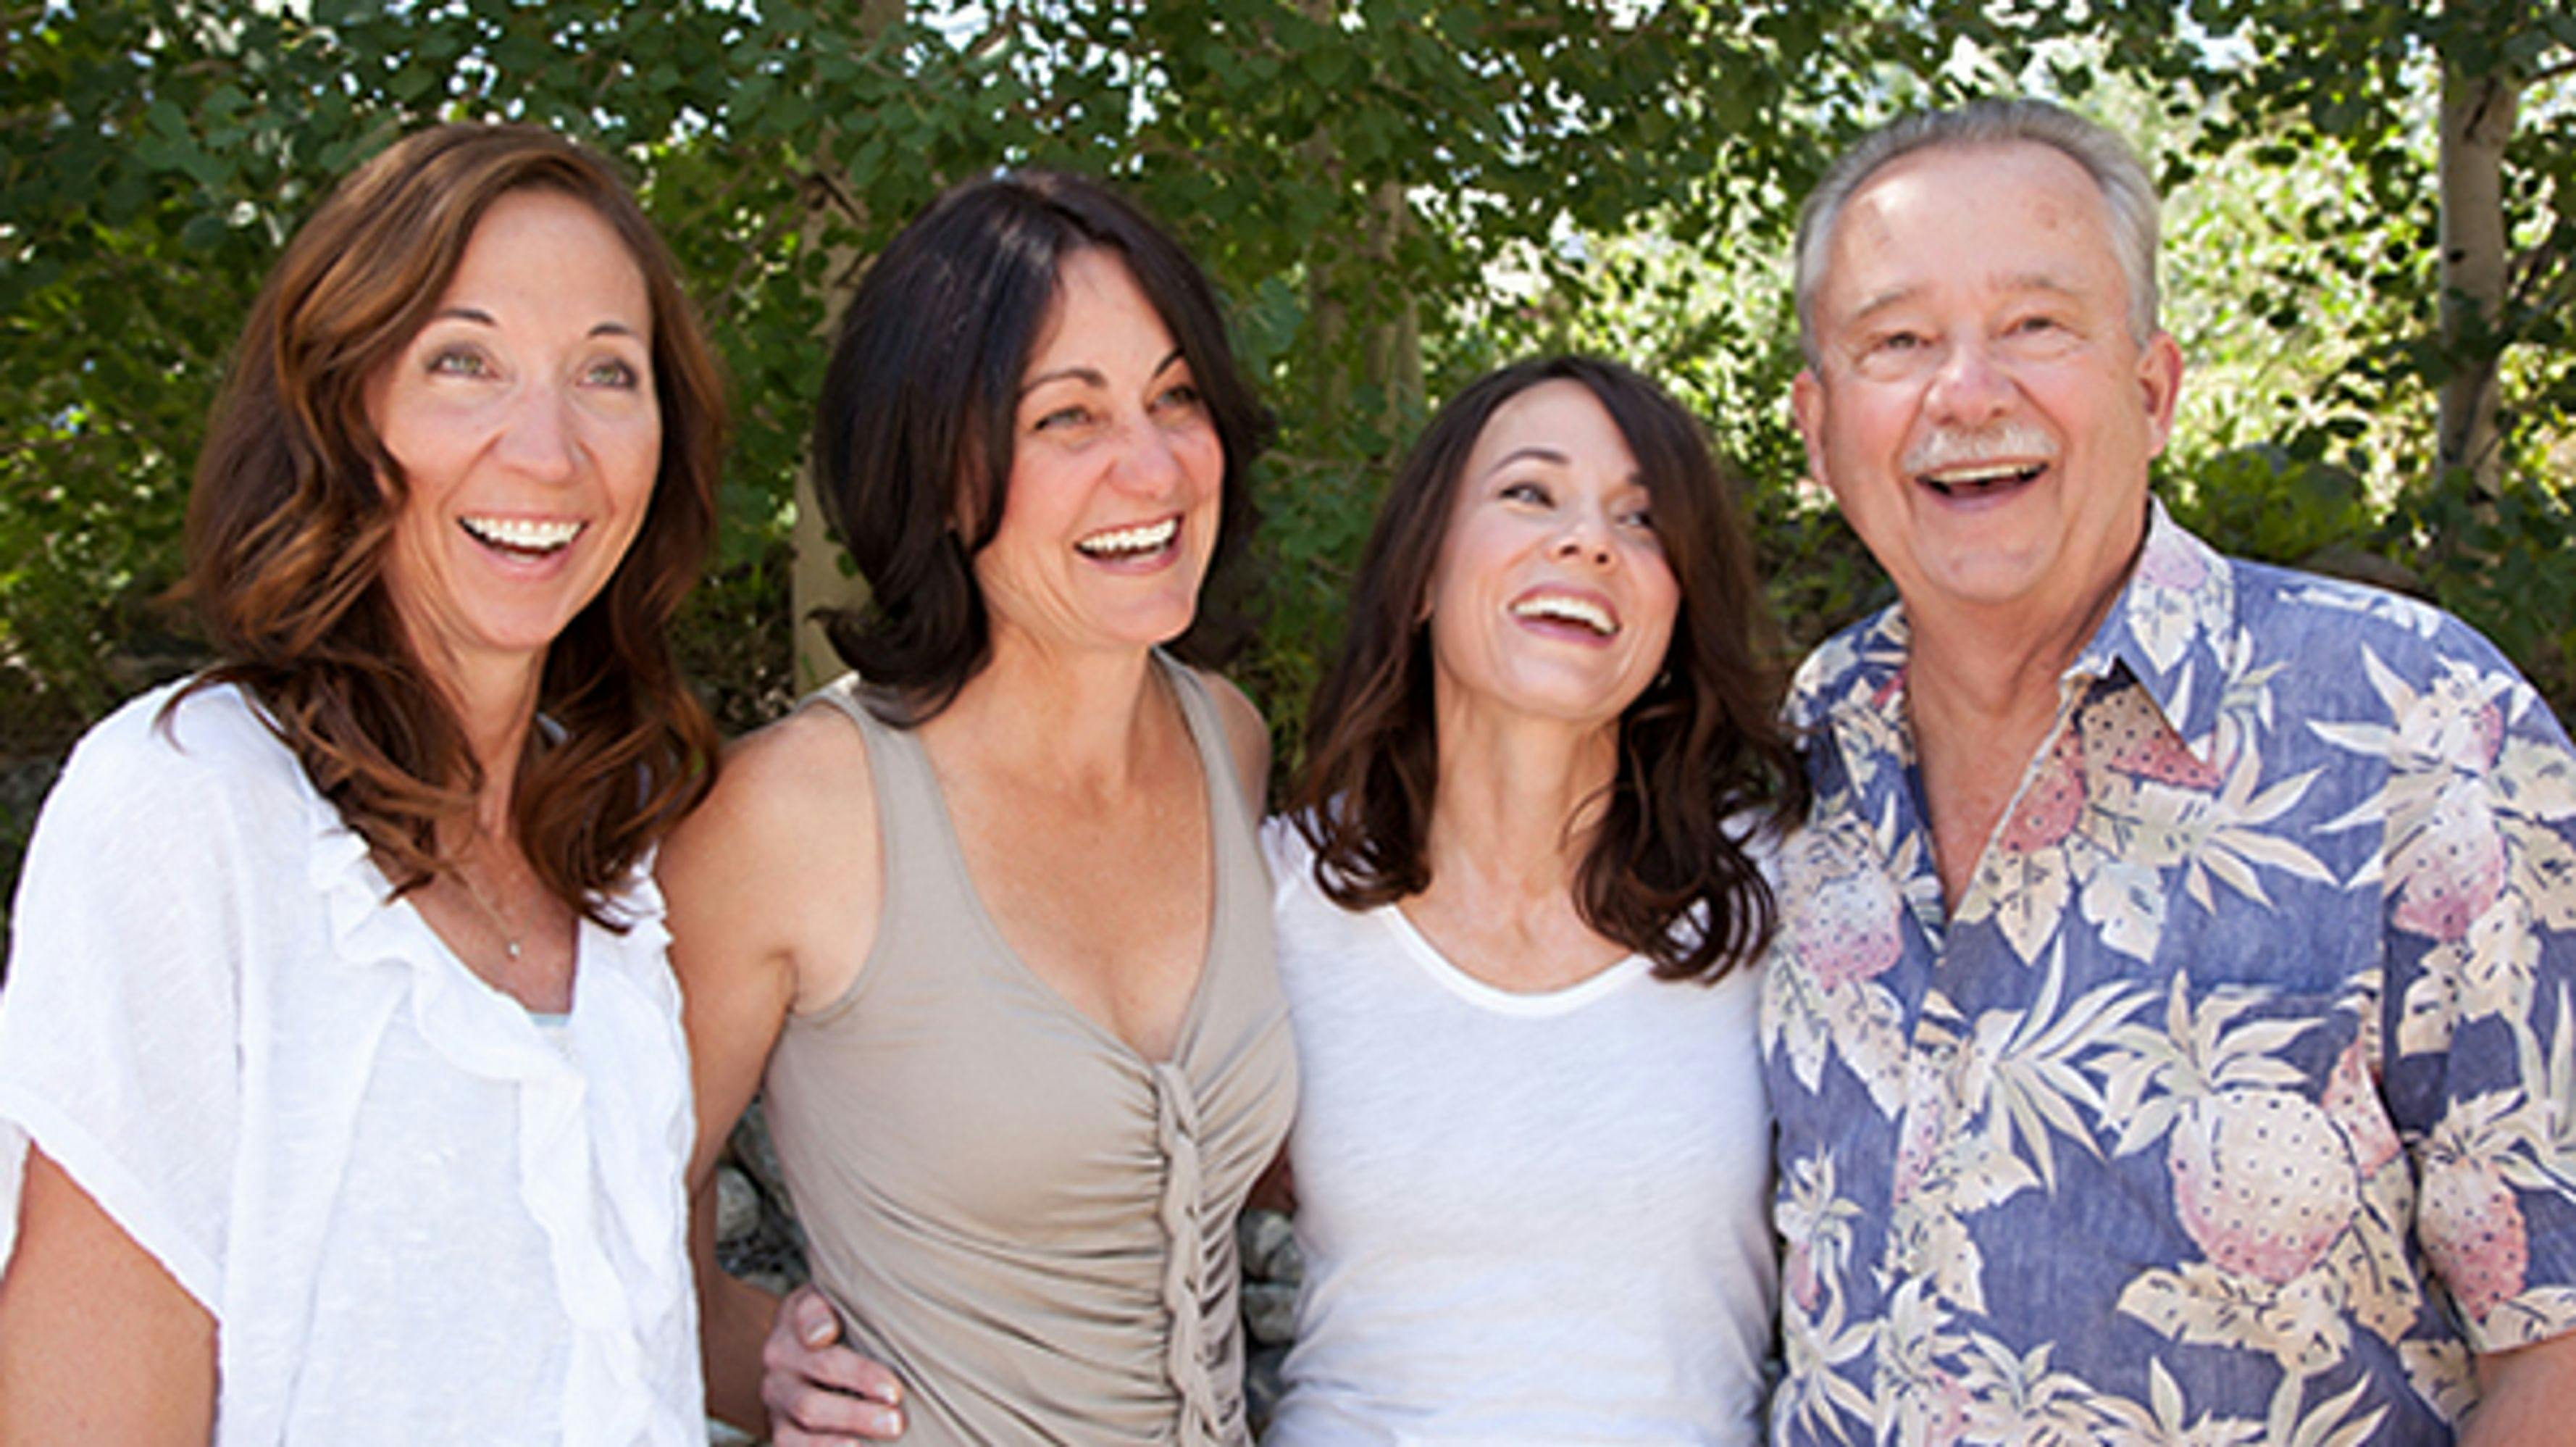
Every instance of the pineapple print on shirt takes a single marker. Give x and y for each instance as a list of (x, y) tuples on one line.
[(2236, 1100)]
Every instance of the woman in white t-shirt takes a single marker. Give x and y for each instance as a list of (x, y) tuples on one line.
[(1519, 896), (342, 1090)]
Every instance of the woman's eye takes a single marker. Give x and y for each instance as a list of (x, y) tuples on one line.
[(1525, 492), (458, 362), (1639, 518), (611, 372), (1061, 418), (1183, 397)]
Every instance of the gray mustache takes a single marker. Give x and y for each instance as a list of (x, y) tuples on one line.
[(1949, 447)]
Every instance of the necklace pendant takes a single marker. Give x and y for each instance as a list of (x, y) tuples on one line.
[(513, 947)]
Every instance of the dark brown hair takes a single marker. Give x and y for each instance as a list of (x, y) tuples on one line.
[(295, 504), (1702, 745), (916, 416)]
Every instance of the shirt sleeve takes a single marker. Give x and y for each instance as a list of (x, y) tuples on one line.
[(2480, 915), (119, 1023)]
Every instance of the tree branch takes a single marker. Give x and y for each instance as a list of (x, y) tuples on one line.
[(834, 193)]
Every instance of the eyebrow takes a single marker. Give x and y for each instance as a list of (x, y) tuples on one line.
[(1091, 375), (2019, 281), (480, 317), (1533, 452)]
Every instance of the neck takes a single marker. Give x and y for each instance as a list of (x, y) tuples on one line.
[(1982, 693), (1977, 667), (1966, 686), (1515, 807), (1048, 713), (496, 702)]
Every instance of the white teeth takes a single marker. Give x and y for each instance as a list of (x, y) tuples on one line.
[(526, 535), (1982, 474), (1570, 610), (1119, 542)]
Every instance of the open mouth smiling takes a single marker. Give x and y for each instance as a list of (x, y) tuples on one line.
[(1978, 479), (1125, 544), (522, 537), (1564, 609)]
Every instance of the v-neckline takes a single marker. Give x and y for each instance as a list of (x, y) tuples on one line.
[(1187, 1029)]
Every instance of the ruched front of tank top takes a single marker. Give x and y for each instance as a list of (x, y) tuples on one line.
[(1030, 1222)]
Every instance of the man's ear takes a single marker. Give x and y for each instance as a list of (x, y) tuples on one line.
[(2160, 386), (1807, 409)]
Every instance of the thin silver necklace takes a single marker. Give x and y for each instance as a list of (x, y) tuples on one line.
[(491, 911)]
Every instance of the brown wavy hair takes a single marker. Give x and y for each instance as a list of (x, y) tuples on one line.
[(295, 502), (1702, 746)]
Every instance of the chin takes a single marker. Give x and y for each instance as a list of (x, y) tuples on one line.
[(1576, 701), (1988, 580)]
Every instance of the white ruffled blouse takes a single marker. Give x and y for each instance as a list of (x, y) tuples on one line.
[(415, 1213)]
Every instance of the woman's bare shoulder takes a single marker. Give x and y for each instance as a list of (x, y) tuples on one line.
[(786, 842), (1247, 736)]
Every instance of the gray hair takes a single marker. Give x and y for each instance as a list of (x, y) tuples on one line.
[(2127, 191)]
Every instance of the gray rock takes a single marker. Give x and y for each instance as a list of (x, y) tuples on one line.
[(750, 1148), (1261, 1386), (737, 1208), (1268, 1242), (1270, 1312), (771, 1254)]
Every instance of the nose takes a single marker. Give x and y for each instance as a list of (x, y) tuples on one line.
[(538, 436), (1969, 389), (1584, 535), (1148, 465)]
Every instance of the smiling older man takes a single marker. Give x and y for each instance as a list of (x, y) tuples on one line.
[(2173, 1029)]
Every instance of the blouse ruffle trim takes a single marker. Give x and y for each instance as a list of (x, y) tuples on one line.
[(624, 1028)]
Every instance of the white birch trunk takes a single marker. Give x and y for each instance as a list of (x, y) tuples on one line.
[(2477, 120), (814, 578)]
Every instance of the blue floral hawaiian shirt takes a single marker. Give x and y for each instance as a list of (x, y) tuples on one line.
[(2236, 1102)]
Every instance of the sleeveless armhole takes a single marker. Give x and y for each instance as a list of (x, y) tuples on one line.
[(1215, 745), (894, 761)]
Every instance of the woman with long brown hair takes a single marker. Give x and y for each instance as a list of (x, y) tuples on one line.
[(1520, 889), (342, 1088)]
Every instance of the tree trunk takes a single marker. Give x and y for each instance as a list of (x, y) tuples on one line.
[(816, 580), (1395, 348), (2477, 120), (1390, 351)]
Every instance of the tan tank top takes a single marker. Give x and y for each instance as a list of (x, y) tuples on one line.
[(1031, 1223)]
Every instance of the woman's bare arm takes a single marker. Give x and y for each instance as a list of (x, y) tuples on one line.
[(97, 1342), (773, 888)]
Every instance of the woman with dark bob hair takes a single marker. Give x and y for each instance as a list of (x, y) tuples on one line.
[(342, 1086), (989, 912), (1519, 891)]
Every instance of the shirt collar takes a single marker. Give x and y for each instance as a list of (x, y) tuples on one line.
[(2170, 632)]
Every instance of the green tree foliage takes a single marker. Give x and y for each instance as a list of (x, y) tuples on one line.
[(1395, 194)]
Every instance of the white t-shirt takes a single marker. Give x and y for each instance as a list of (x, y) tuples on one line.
[(413, 1215), (1526, 1219)]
